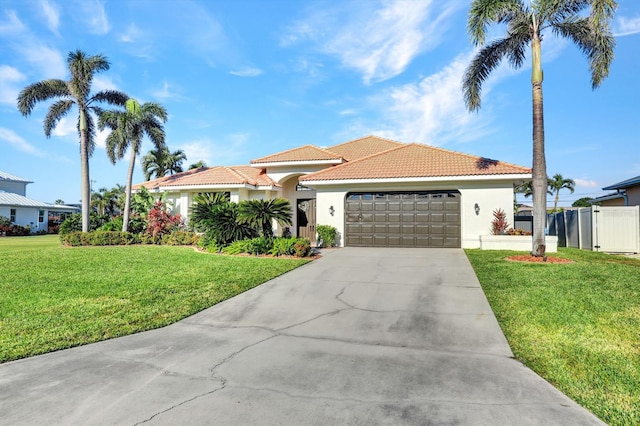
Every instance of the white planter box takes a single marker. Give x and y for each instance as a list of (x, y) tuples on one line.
[(515, 242)]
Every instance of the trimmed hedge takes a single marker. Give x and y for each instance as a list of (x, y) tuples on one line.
[(119, 238)]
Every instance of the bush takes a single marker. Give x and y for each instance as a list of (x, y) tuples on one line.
[(284, 246), (73, 223), (12, 230), (512, 231), (302, 247), (326, 235), (180, 238), (99, 238), (160, 223), (115, 224), (236, 247)]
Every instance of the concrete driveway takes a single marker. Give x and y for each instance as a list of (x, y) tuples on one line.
[(360, 336)]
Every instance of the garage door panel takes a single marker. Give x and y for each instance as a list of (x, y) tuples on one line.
[(403, 219)]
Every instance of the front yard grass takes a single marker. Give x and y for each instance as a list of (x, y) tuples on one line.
[(54, 298), (577, 325)]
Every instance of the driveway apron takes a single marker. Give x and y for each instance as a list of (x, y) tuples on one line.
[(361, 336)]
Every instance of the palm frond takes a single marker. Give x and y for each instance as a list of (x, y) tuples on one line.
[(596, 42), (485, 12), (41, 91), (485, 61), (113, 97), (56, 112)]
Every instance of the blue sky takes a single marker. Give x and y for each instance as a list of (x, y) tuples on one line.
[(242, 79)]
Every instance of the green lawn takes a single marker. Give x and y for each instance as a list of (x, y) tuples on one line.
[(577, 325), (52, 297)]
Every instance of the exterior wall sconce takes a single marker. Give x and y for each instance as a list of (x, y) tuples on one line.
[(331, 210), (477, 209)]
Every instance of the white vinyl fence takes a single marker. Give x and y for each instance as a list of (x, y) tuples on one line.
[(610, 229)]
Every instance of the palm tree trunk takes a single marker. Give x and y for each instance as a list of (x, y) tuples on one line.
[(539, 182), (555, 202), (84, 170), (127, 199)]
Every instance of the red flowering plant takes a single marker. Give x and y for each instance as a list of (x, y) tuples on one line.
[(161, 222)]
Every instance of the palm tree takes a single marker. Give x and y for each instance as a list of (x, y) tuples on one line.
[(174, 161), (127, 130), (525, 26), (261, 213), (198, 165), (161, 162), (556, 183), (76, 91)]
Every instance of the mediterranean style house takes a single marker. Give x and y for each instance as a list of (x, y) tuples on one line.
[(377, 192), (24, 211)]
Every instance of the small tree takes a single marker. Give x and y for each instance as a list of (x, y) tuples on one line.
[(261, 213)]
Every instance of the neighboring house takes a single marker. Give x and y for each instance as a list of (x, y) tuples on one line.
[(24, 211), (627, 194), (375, 191)]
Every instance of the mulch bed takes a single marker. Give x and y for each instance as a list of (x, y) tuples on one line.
[(527, 258)]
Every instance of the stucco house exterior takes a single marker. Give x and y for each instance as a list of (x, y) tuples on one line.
[(627, 194), (375, 191), (24, 211)]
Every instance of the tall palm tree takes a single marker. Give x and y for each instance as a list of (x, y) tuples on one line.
[(76, 91), (161, 162), (127, 130), (526, 22), (556, 183)]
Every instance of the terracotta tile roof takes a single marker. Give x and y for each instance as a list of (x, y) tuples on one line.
[(221, 175), (416, 160), (363, 147), (303, 153)]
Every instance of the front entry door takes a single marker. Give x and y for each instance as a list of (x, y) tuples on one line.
[(307, 219)]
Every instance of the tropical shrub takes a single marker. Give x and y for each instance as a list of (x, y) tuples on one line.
[(98, 238), (499, 224), (115, 224), (302, 247), (518, 231), (326, 235), (260, 214), (180, 238), (74, 222), (284, 246), (160, 223), (236, 247)]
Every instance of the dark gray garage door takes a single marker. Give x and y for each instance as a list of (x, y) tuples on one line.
[(403, 219)]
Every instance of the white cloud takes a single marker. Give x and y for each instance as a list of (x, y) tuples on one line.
[(166, 92), (66, 126), (50, 61), (18, 142), (430, 111), (93, 15), (101, 82), (229, 151), (587, 183), (246, 72), (378, 42), (51, 13), (624, 26), (9, 87), (132, 34), (12, 25)]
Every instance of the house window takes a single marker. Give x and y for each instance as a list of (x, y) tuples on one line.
[(12, 216), (40, 216)]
